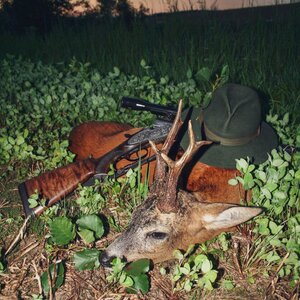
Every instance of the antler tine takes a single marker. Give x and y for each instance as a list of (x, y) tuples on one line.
[(174, 130), (188, 154), (170, 203), (160, 171), (191, 150)]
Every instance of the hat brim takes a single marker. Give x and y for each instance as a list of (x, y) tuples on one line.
[(225, 156)]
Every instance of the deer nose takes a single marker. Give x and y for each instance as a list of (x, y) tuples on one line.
[(106, 260)]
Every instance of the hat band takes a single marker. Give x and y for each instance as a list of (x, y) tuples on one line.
[(227, 141)]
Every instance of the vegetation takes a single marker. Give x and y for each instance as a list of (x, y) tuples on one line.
[(43, 97), (260, 47)]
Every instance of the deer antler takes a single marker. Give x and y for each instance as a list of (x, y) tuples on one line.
[(160, 171), (166, 182)]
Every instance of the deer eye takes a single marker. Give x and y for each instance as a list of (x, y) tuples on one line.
[(158, 235)]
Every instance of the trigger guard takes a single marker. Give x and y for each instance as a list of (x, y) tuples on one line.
[(138, 157)]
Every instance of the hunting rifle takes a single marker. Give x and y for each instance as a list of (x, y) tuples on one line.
[(58, 183)]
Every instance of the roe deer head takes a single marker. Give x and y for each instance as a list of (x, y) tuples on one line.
[(171, 218)]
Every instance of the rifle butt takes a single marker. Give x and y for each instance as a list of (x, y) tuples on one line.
[(55, 185)]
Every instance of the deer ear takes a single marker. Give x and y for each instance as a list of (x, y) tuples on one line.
[(229, 216)]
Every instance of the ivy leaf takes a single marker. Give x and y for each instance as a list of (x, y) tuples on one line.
[(263, 226), (138, 267), (141, 283), (62, 231), (93, 223), (60, 273), (87, 259), (274, 228), (87, 236)]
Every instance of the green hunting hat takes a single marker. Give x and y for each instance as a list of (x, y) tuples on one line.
[(233, 121)]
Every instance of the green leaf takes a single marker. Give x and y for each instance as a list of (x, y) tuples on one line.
[(206, 266), (200, 258), (60, 273), (20, 140), (2, 267), (204, 73), (178, 254), (93, 223), (208, 286), (275, 229), (280, 195), (211, 275), (228, 284), (125, 280), (184, 270), (32, 202), (263, 226), (116, 71), (271, 186), (233, 182), (242, 165), (266, 193), (87, 235), (262, 176), (141, 283), (117, 265), (248, 181), (275, 243), (272, 256), (188, 286), (62, 231), (224, 74), (143, 63), (138, 267), (277, 162), (87, 259), (251, 168)]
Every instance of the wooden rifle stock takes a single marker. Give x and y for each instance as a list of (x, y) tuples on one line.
[(56, 184)]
